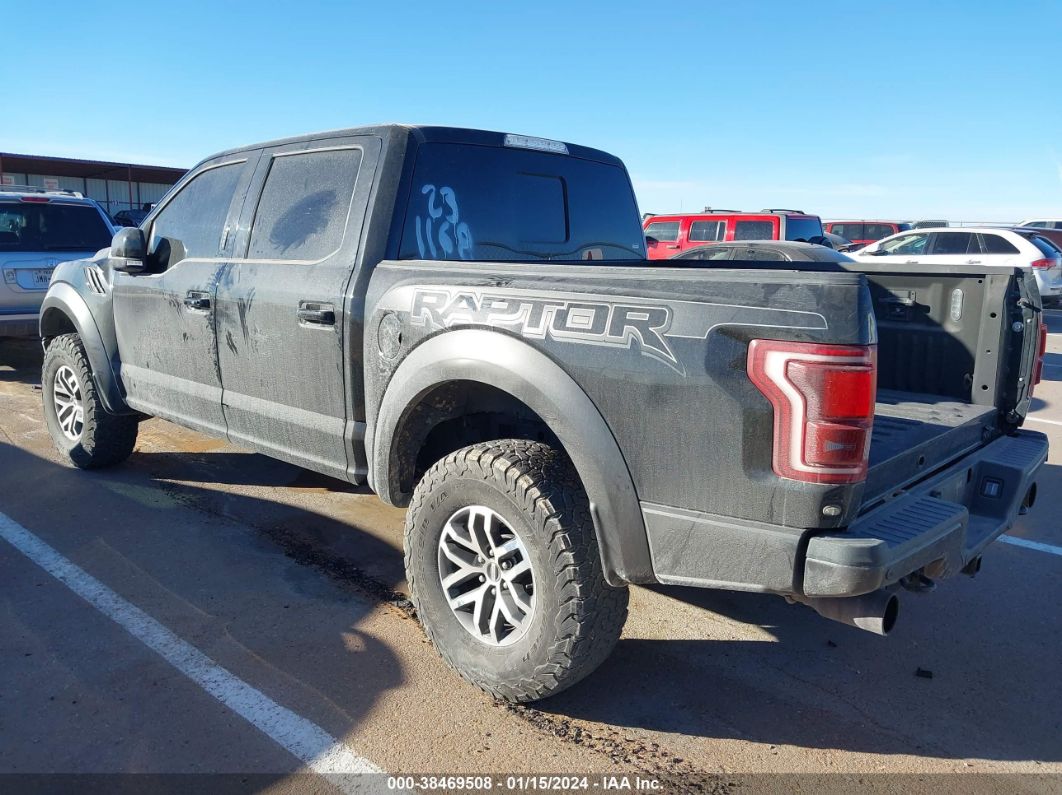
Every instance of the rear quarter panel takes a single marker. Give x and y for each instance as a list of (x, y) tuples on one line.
[(661, 353)]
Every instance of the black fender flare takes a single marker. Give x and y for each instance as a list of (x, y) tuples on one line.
[(540, 383), (63, 298)]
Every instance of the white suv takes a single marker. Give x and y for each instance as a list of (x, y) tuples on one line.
[(1044, 223), (1020, 247), (38, 230)]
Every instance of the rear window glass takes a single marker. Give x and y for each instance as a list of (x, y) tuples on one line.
[(52, 226), (1047, 248), (753, 230), (663, 230), (496, 203), (955, 243), (707, 230), (997, 244), (802, 228), (303, 210)]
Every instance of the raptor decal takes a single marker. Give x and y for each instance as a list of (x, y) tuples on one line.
[(575, 319)]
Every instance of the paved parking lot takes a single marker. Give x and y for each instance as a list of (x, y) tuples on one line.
[(204, 609)]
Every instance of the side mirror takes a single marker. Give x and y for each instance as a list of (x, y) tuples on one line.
[(128, 250), (651, 242), (820, 240)]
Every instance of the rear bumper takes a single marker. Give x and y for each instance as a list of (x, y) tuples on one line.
[(939, 525), (1049, 283)]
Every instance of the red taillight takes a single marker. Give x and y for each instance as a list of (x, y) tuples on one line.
[(35, 199), (1044, 264), (823, 398), (1038, 368)]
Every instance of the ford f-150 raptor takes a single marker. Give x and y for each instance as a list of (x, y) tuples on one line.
[(467, 321)]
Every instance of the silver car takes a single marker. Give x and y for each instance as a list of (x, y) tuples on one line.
[(38, 230)]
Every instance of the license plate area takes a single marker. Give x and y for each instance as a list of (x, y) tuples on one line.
[(34, 278)]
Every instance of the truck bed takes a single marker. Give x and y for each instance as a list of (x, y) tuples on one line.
[(916, 433)]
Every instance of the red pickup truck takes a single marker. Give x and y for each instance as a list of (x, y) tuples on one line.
[(668, 235)]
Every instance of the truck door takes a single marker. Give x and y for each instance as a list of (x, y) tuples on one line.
[(164, 317), (282, 317)]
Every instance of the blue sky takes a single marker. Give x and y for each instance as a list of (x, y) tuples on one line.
[(903, 110)]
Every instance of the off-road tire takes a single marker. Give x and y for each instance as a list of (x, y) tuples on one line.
[(578, 616), (106, 439)]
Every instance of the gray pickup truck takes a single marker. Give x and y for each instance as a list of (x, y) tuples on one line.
[(467, 321)]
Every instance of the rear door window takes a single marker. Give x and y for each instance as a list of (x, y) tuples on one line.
[(759, 255), (664, 231), (945, 243), (754, 230), (302, 213), (707, 231)]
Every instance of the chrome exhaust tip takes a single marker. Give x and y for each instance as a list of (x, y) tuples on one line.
[(875, 612)]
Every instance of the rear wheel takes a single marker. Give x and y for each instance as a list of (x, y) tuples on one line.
[(504, 570), (81, 428)]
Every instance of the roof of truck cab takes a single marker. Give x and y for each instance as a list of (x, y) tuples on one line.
[(425, 134)]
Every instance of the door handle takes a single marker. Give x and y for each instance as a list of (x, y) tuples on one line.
[(317, 313), (670, 246), (197, 300)]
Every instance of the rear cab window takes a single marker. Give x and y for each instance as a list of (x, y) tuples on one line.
[(475, 202), (49, 225), (755, 230)]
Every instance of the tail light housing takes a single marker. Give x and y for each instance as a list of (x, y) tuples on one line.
[(1044, 264), (823, 398), (1041, 351)]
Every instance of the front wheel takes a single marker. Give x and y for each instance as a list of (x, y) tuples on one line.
[(504, 570), (80, 426)]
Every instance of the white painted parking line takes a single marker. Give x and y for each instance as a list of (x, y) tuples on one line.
[(304, 739), (1051, 549), (1041, 419)]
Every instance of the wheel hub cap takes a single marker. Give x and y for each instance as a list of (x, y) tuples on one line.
[(486, 576), (69, 404)]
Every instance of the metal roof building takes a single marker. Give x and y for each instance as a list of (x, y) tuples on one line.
[(117, 186)]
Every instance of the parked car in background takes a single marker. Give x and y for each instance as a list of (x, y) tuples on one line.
[(670, 234), (863, 232), (764, 251), (1054, 235), (38, 230), (129, 217), (1018, 247), (1046, 223), (840, 243)]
